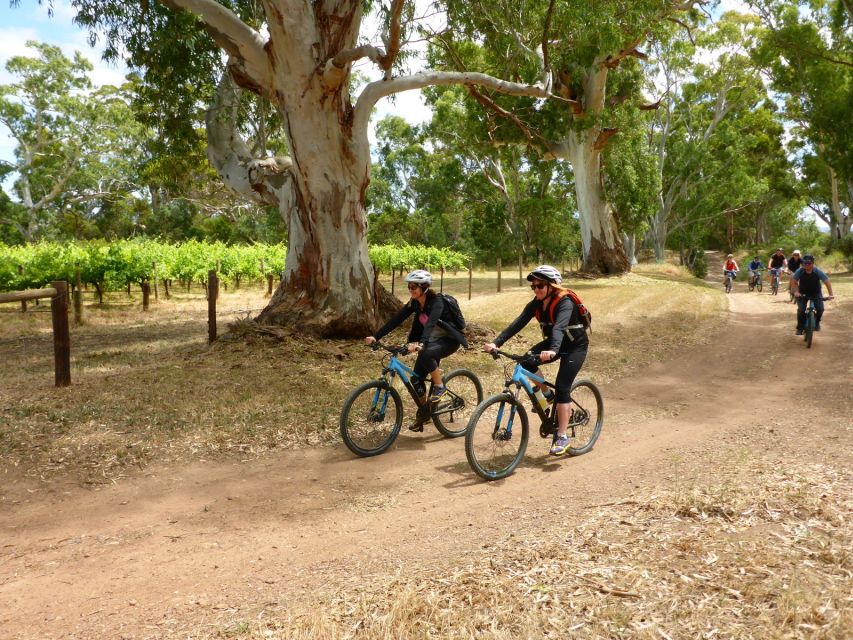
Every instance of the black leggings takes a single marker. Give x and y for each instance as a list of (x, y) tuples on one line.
[(430, 356), (570, 365)]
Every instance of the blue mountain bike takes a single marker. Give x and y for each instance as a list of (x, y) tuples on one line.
[(373, 413), (497, 435)]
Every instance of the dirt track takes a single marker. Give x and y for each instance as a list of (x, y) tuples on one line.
[(177, 546)]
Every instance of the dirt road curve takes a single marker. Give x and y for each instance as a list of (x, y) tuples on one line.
[(176, 545)]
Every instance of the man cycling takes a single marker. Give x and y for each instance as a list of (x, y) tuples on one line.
[(754, 267), (777, 263), (794, 263), (806, 284)]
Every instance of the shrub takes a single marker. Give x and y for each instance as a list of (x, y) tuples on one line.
[(697, 263)]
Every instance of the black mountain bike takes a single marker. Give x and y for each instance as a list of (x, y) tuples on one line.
[(810, 324), (497, 434), (373, 413)]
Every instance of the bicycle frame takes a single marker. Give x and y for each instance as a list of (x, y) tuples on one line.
[(395, 367), (521, 378)]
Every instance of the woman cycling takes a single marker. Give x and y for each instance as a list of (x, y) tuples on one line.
[(730, 267), (429, 335), (564, 337)]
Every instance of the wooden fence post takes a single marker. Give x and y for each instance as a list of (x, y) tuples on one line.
[(520, 282), (23, 302), (61, 335), (146, 294), (393, 271), (154, 278), (470, 277), (212, 292), (499, 275), (77, 296), (441, 284)]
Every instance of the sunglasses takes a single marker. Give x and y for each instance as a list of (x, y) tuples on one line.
[(539, 285), (807, 262), (412, 286)]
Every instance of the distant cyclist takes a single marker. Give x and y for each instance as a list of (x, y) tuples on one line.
[(777, 260), (433, 338), (794, 263), (805, 284), (753, 268), (564, 338), (730, 267)]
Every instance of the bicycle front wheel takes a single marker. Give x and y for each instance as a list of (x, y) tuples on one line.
[(497, 437), (371, 418), (728, 285), (759, 286), (809, 332), (587, 416), (452, 413)]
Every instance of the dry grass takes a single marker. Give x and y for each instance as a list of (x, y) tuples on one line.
[(763, 553), (147, 386)]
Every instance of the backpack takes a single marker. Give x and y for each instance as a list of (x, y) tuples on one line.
[(583, 313), (452, 313)]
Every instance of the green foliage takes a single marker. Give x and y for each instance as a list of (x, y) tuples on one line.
[(697, 263), (844, 246), (388, 257), (115, 265)]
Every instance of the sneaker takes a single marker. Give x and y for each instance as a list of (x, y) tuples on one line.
[(549, 395), (560, 446), (437, 394), (799, 332), (817, 328), (417, 426)]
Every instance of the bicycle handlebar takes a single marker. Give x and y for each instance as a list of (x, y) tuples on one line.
[(397, 351), (528, 357)]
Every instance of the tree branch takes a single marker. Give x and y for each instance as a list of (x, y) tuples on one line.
[(393, 44), (240, 42), (379, 89)]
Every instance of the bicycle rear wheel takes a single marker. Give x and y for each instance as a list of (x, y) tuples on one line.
[(464, 392), (809, 332), (497, 437), (587, 416), (371, 418)]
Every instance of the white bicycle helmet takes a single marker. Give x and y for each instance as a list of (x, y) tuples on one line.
[(545, 272), (420, 276)]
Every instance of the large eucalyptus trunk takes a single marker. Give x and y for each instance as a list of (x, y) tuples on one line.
[(602, 246), (302, 65)]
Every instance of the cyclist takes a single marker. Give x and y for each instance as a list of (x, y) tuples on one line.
[(805, 283), (753, 268), (730, 267), (564, 338), (794, 263), (430, 336), (777, 260)]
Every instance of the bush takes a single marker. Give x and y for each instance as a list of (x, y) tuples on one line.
[(844, 246), (697, 263)]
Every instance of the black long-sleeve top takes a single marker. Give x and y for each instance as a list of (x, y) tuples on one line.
[(433, 307), (559, 338)]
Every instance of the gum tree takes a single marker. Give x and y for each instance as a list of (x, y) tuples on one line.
[(298, 58), (580, 46)]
